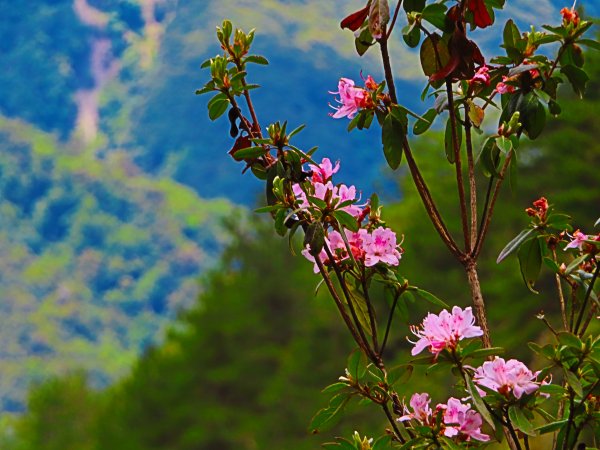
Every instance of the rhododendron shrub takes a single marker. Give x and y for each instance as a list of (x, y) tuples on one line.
[(358, 257)]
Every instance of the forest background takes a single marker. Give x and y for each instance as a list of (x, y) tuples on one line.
[(141, 304)]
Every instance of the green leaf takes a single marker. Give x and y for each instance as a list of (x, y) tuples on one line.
[(489, 158), (399, 374), (266, 209), (533, 116), (429, 297), (432, 48), (504, 144), (335, 387), (435, 14), (520, 420), (327, 417), (514, 244), (552, 426), (485, 352), (315, 238), (392, 136), (280, 227), (296, 131), (590, 43), (575, 263), (257, 59), (411, 35), (346, 220), (363, 42), (510, 34), (357, 365), (383, 443), (449, 444), (413, 5), (218, 108), (573, 382), (530, 262), (449, 141), (250, 152), (570, 340), (577, 77), (423, 124), (360, 307), (560, 222), (479, 403)]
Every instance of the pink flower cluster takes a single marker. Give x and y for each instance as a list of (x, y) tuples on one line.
[(373, 246), (458, 418), (482, 76), (438, 332), (370, 248), (506, 377), (353, 98)]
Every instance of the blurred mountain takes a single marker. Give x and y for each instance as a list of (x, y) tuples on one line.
[(95, 256)]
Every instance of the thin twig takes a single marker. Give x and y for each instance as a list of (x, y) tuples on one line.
[(458, 165), (389, 31), (420, 184), (338, 302), (372, 321), (561, 297), (399, 292), (490, 211), (368, 350), (587, 297)]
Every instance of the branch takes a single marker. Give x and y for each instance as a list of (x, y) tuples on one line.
[(490, 212), (472, 181), (458, 165)]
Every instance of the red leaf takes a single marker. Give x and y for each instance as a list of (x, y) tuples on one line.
[(464, 54), (356, 19), (480, 13), (240, 143)]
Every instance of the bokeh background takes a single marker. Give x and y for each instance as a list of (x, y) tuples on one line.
[(142, 306)]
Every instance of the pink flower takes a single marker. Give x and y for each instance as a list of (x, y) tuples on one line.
[(505, 377), (578, 240), (421, 410), (324, 171), (503, 88), (337, 246), (461, 419), (482, 76), (445, 330), (381, 246), (351, 99)]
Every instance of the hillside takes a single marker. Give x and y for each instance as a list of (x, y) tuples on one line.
[(96, 258)]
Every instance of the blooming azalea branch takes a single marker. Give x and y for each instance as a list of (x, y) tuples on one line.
[(351, 247)]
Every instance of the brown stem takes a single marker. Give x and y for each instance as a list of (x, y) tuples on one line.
[(561, 297), (458, 165), (472, 181), (477, 298), (255, 123), (586, 298), (392, 422), (368, 350), (372, 321), (389, 31), (339, 303), (420, 184), (490, 211)]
